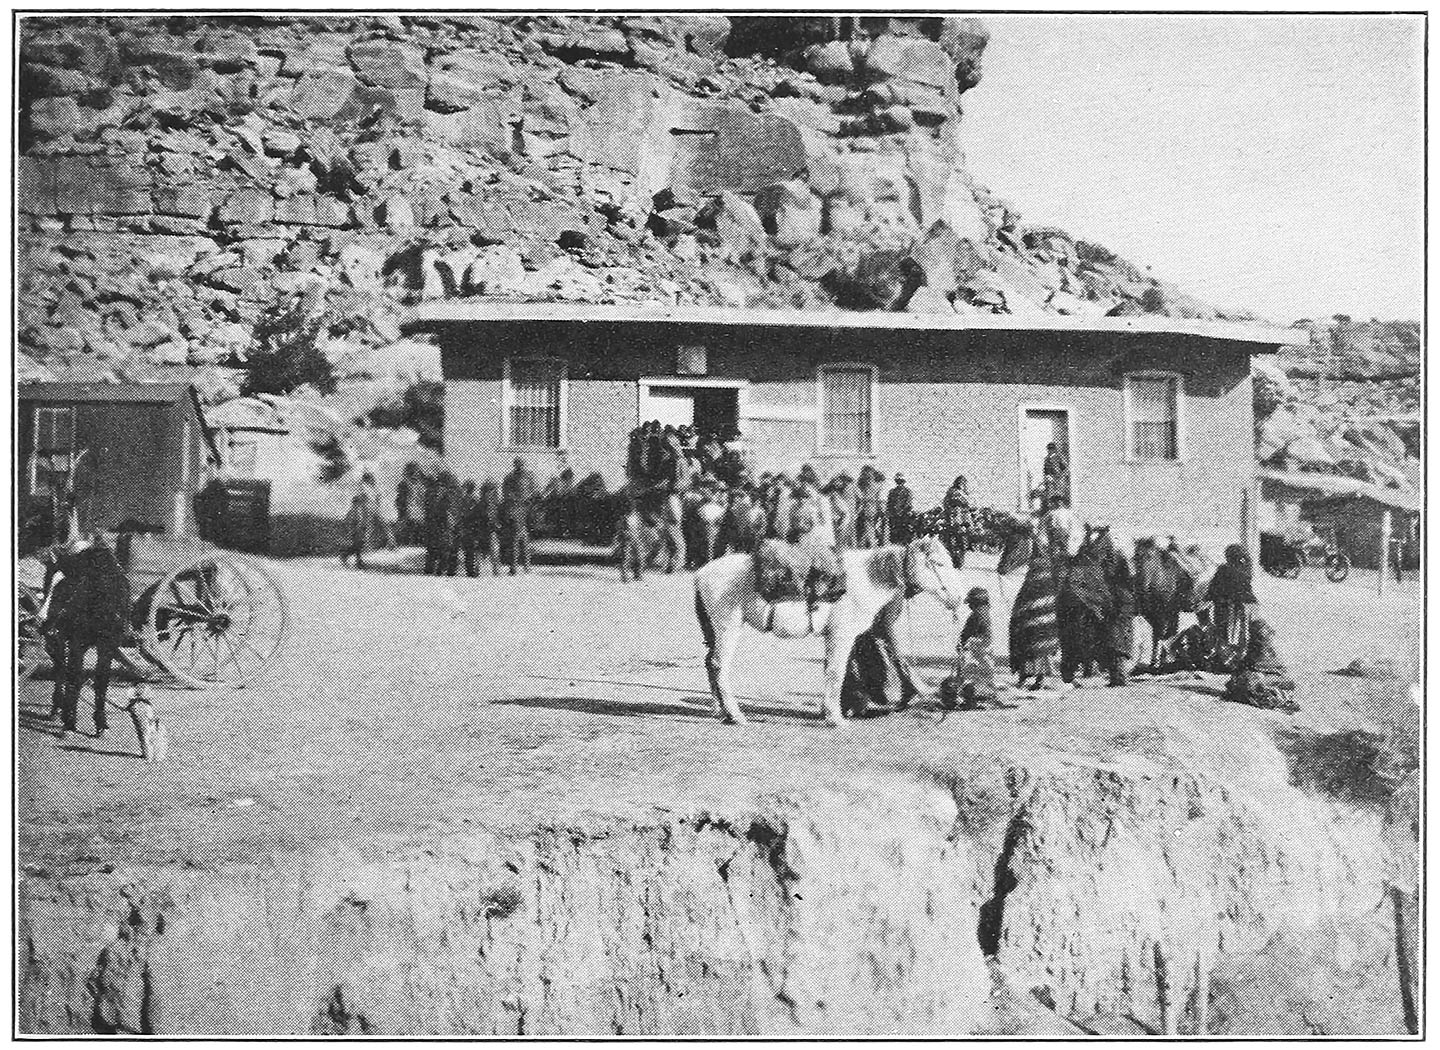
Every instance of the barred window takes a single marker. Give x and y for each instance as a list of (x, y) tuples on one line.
[(535, 402), (1153, 404), (54, 446), (845, 395)]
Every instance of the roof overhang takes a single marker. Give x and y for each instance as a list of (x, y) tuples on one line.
[(480, 311), (150, 393), (1339, 485)]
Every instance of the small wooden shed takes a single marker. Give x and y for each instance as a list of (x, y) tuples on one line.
[(137, 453)]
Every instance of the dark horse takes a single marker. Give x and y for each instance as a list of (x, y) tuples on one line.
[(86, 606), (1163, 589)]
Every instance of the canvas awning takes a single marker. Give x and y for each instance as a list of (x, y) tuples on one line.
[(1339, 485)]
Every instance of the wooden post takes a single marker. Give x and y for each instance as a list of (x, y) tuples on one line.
[(1202, 993), (1384, 551), (1248, 521)]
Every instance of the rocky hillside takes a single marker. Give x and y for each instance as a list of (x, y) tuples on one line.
[(1349, 403), (179, 174)]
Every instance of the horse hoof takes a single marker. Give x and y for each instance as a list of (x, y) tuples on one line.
[(734, 720), (833, 723)]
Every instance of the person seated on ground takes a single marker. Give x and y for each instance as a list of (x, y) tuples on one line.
[(974, 678), (878, 680), (1262, 680), (1187, 651)]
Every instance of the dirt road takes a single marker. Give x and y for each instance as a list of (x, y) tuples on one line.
[(406, 706)]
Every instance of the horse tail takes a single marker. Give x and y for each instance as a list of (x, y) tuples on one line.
[(707, 627)]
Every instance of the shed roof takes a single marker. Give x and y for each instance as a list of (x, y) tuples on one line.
[(1266, 338), (248, 413), (1339, 485)]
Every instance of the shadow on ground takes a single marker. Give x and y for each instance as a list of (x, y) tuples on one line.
[(699, 708)]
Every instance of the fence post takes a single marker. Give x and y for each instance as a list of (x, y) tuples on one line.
[(1384, 550)]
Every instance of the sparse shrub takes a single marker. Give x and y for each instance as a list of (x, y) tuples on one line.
[(421, 408), (287, 352)]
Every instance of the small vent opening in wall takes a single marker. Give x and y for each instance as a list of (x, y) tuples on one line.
[(691, 361)]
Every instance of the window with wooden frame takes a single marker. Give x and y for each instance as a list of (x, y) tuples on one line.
[(1152, 416), (52, 456), (534, 403), (847, 409)]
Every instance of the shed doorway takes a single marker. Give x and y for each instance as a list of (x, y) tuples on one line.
[(711, 406), (1039, 428)]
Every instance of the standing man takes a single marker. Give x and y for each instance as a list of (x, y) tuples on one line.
[(362, 521), (468, 527), (517, 500), (955, 528), (869, 508), (1056, 470), (900, 510), (1061, 528)]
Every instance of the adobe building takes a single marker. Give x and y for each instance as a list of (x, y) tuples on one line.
[(1155, 412)]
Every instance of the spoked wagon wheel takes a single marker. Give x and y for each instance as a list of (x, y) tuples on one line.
[(216, 621), (1337, 567), (29, 641)]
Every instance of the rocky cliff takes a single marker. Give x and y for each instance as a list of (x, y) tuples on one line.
[(179, 174)]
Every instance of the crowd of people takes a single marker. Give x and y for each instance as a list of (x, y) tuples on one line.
[(694, 497), (1075, 612), (691, 497), (461, 525)]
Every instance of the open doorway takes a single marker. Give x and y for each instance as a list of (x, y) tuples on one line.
[(710, 406), (1040, 427)]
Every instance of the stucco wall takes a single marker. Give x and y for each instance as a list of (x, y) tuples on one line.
[(946, 404)]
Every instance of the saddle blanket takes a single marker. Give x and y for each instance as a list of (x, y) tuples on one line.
[(803, 572)]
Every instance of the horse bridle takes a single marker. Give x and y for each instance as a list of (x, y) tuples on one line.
[(912, 585)]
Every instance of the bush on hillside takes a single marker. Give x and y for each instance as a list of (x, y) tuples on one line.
[(421, 408), (287, 352)]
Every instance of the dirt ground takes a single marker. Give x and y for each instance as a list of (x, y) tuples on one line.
[(405, 707)]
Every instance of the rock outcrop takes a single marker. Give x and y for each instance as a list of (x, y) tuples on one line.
[(1348, 403), (177, 174)]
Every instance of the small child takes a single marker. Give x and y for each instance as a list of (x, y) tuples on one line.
[(975, 656), (633, 543)]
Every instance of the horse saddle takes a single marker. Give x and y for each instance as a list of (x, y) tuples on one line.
[(798, 572)]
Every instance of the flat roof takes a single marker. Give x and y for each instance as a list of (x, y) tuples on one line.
[(501, 310), (150, 393)]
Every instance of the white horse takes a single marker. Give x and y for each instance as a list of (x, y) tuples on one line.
[(726, 600)]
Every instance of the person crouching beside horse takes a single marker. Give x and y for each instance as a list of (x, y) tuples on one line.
[(878, 679)]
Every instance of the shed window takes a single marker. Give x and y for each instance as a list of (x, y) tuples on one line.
[(1152, 405), (847, 409), (534, 403), (52, 458), (244, 455)]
